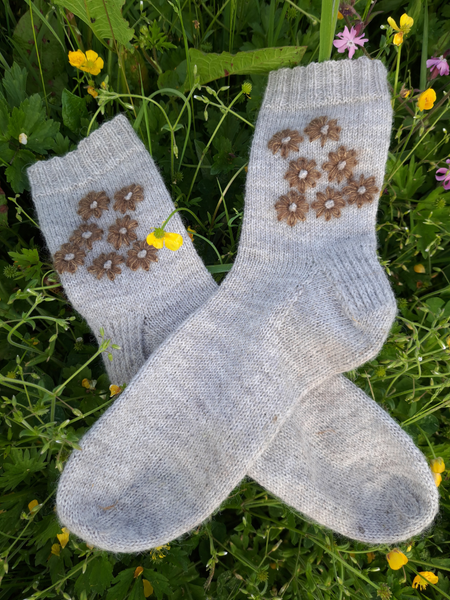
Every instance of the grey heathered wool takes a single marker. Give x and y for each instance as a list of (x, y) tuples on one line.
[(300, 466)]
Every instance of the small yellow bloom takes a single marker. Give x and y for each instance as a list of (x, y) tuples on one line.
[(426, 99), (92, 91), (437, 465), (114, 390), (424, 578), (56, 549), (148, 588), (32, 504), (138, 571), (76, 59), (419, 268), (159, 238), (437, 478), (90, 62), (63, 537), (11, 375), (396, 559), (340, 16), (86, 383), (370, 557), (191, 233), (159, 552), (405, 27)]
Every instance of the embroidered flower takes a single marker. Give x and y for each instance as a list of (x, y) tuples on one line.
[(292, 207), (286, 141), (106, 264), (340, 164), (93, 205), (361, 192), (141, 256), (69, 258), (128, 197), (302, 174), (328, 204), (121, 233), (324, 129), (86, 235)]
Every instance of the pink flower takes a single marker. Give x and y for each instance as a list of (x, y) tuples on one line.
[(444, 175), (438, 66), (349, 40)]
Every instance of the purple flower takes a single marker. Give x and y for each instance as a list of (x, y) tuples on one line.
[(349, 40), (438, 66), (444, 175)]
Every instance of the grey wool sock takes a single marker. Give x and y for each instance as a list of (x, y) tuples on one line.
[(292, 479)]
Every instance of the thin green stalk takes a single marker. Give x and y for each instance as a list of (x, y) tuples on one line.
[(423, 59), (397, 70), (37, 55), (313, 18)]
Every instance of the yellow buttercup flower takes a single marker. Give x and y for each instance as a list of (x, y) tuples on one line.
[(405, 27), (159, 238), (56, 549), (396, 559), (90, 62), (63, 537), (340, 16), (114, 390), (437, 465), (138, 571), (370, 557), (426, 99), (148, 588), (419, 268), (437, 478), (423, 579), (92, 91), (32, 505)]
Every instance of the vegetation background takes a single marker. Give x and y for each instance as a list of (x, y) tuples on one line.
[(195, 109)]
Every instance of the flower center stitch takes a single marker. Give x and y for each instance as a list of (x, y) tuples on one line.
[(107, 265), (69, 257), (341, 165), (286, 140), (324, 129), (128, 196), (93, 205), (329, 204), (303, 174), (362, 190), (142, 254), (86, 234), (123, 230), (292, 207)]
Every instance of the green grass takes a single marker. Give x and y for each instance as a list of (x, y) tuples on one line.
[(198, 128)]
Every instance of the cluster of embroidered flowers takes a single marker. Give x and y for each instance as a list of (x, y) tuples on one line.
[(72, 255), (303, 175)]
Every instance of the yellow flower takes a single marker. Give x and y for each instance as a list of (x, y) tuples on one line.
[(114, 390), (191, 233), (32, 504), (419, 269), (405, 27), (424, 578), (86, 383), (93, 92), (396, 559), (63, 537), (426, 99), (90, 62), (159, 238), (370, 557), (148, 588), (56, 549), (159, 552), (437, 465), (437, 478), (138, 571), (340, 16)]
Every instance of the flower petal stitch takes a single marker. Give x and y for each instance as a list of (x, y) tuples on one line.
[(285, 141), (340, 164), (141, 256), (302, 174), (328, 204), (292, 207), (361, 191), (324, 129), (127, 198), (106, 264), (121, 233), (69, 258), (93, 205), (86, 235)]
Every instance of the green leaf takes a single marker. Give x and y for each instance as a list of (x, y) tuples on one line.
[(101, 574), (16, 173), (137, 593), (73, 110), (159, 583), (94, 14), (22, 464), (14, 84), (47, 530), (122, 583), (257, 62)]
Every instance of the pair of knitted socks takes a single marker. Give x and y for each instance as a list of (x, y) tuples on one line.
[(242, 379)]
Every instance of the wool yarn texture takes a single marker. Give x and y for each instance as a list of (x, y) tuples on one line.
[(339, 458)]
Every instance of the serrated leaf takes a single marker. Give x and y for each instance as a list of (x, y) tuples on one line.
[(14, 84), (121, 584), (73, 110), (21, 464), (256, 62), (16, 173), (101, 574), (94, 14), (159, 583)]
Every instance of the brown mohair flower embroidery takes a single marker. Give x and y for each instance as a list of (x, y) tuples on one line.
[(324, 129), (340, 164), (122, 232), (286, 141), (93, 205), (128, 197), (302, 174), (69, 258), (141, 255), (361, 192), (106, 264), (86, 235), (292, 207), (328, 204)]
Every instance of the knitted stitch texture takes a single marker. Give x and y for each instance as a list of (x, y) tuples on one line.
[(112, 172)]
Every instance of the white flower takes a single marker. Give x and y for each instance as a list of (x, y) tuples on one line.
[(23, 139)]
